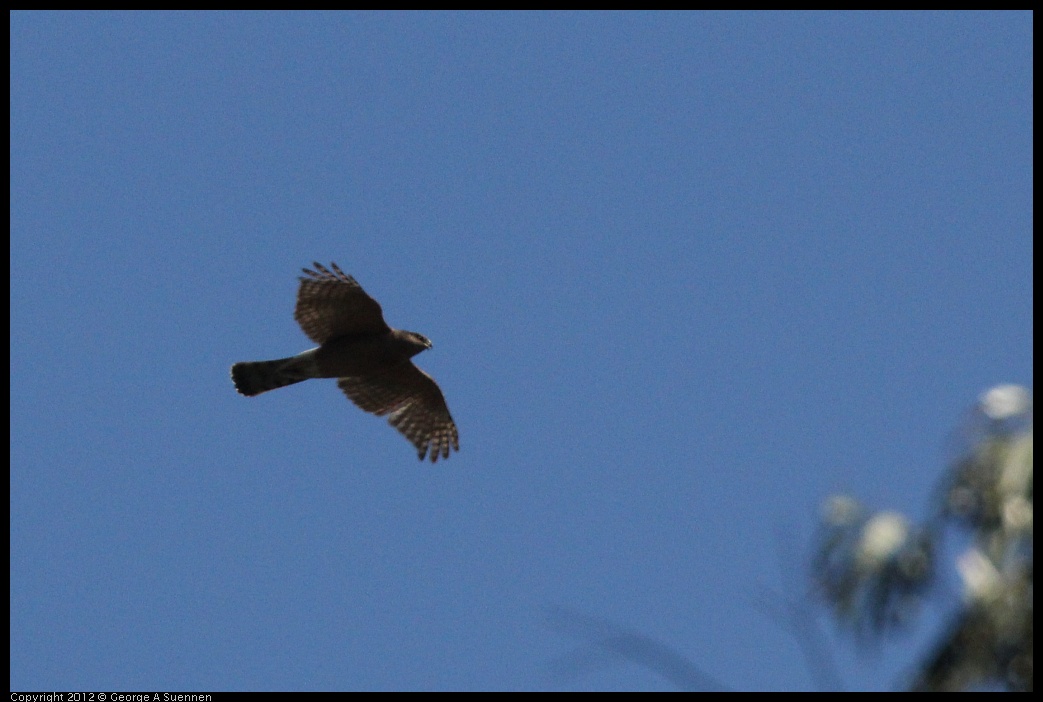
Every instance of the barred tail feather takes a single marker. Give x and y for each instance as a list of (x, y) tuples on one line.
[(254, 377)]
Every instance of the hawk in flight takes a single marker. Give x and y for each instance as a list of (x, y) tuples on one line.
[(369, 359)]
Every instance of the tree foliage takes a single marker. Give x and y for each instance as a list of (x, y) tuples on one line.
[(874, 570)]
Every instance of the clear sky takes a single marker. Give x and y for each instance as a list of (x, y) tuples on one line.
[(686, 275)]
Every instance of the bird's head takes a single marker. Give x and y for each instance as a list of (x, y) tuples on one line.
[(416, 342)]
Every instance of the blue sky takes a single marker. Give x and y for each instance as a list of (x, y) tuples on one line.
[(686, 275)]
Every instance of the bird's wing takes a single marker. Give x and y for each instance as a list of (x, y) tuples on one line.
[(414, 403), (331, 303)]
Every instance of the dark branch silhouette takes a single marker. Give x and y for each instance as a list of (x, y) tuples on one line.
[(607, 642)]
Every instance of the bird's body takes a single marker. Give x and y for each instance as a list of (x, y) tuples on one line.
[(340, 357), (370, 360)]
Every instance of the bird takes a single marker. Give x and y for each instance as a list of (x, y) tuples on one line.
[(370, 360)]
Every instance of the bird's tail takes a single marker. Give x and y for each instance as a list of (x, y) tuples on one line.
[(254, 377)]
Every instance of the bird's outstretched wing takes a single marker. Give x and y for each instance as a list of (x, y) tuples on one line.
[(414, 403), (332, 304)]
